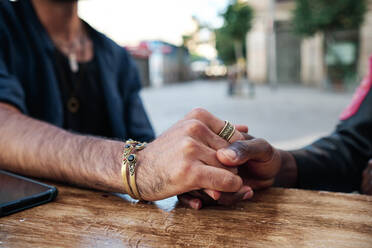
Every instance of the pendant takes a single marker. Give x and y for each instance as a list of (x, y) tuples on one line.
[(73, 105), (74, 66)]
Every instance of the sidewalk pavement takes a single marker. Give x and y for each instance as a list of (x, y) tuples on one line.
[(289, 118)]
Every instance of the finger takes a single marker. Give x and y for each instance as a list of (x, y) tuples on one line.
[(367, 189), (214, 194), (206, 199), (201, 132), (364, 183), (247, 136), (259, 184), (208, 156), (365, 173), (262, 170), (200, 194), (242, 151), (215, 124), (208, 177), (197, 194), (195, 150), (242, 128), (244, 193), (190, 201)]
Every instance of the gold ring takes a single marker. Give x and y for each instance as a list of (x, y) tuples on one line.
[(227, 131)]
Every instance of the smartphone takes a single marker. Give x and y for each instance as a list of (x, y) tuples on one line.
[(18, 193)]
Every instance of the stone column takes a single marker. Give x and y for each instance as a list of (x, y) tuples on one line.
[(312, 61)]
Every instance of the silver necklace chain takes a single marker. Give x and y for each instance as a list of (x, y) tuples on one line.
[(72, 49)]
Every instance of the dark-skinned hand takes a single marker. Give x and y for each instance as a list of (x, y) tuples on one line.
[(258, 163), (366, 186)]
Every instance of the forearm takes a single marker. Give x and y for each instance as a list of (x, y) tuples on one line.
[(37, 149), (287, 176)]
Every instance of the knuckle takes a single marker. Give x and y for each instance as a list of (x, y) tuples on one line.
[(185, 168), (266, 147), (189, 147), (229, 182), (198, 113), (193, 127), (194, 178), (261, 141), (212, 181), (182, 172)]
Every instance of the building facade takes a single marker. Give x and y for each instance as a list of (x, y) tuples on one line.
[(275, 53), (161, 63)]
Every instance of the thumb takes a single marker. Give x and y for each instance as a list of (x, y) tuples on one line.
[(240, 152)]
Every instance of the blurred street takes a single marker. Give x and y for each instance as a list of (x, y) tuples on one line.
[(289, 117)]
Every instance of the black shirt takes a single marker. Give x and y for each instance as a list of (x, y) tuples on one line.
[(336, 162), (84, 105)]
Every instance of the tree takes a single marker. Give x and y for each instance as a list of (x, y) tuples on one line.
[(312, 16), (225, 47), (231, 36)]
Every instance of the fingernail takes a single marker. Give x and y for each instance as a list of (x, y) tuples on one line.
[(214, 196), (230, 154), (248, 195), (196, 204)]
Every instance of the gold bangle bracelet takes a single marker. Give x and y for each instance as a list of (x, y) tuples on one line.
[(125, 180), (129, 161), (132, 177)]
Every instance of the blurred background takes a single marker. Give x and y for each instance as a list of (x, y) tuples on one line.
[(286, 68)]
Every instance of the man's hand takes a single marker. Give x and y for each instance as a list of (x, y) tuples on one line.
[(367, 179), (184, 159)]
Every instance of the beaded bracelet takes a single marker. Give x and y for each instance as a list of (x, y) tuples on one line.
[(129, 162)]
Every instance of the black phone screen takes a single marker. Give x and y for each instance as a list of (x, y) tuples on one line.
[(18, 193), (13, 188)]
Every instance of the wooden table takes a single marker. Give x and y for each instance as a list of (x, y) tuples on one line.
[(274, 218)]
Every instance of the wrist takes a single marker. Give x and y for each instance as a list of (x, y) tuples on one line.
[(287, 175), (115, 180), (150, 183), (104, 171)]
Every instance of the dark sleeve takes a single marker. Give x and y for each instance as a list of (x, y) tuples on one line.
[(11, 90), (336, 162), (136, 119)]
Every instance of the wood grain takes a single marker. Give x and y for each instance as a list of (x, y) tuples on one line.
[(274, 218)]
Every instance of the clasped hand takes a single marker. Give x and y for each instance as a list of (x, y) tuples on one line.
[(190, 160)]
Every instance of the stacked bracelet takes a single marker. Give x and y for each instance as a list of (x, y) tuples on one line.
[(128, 168)]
